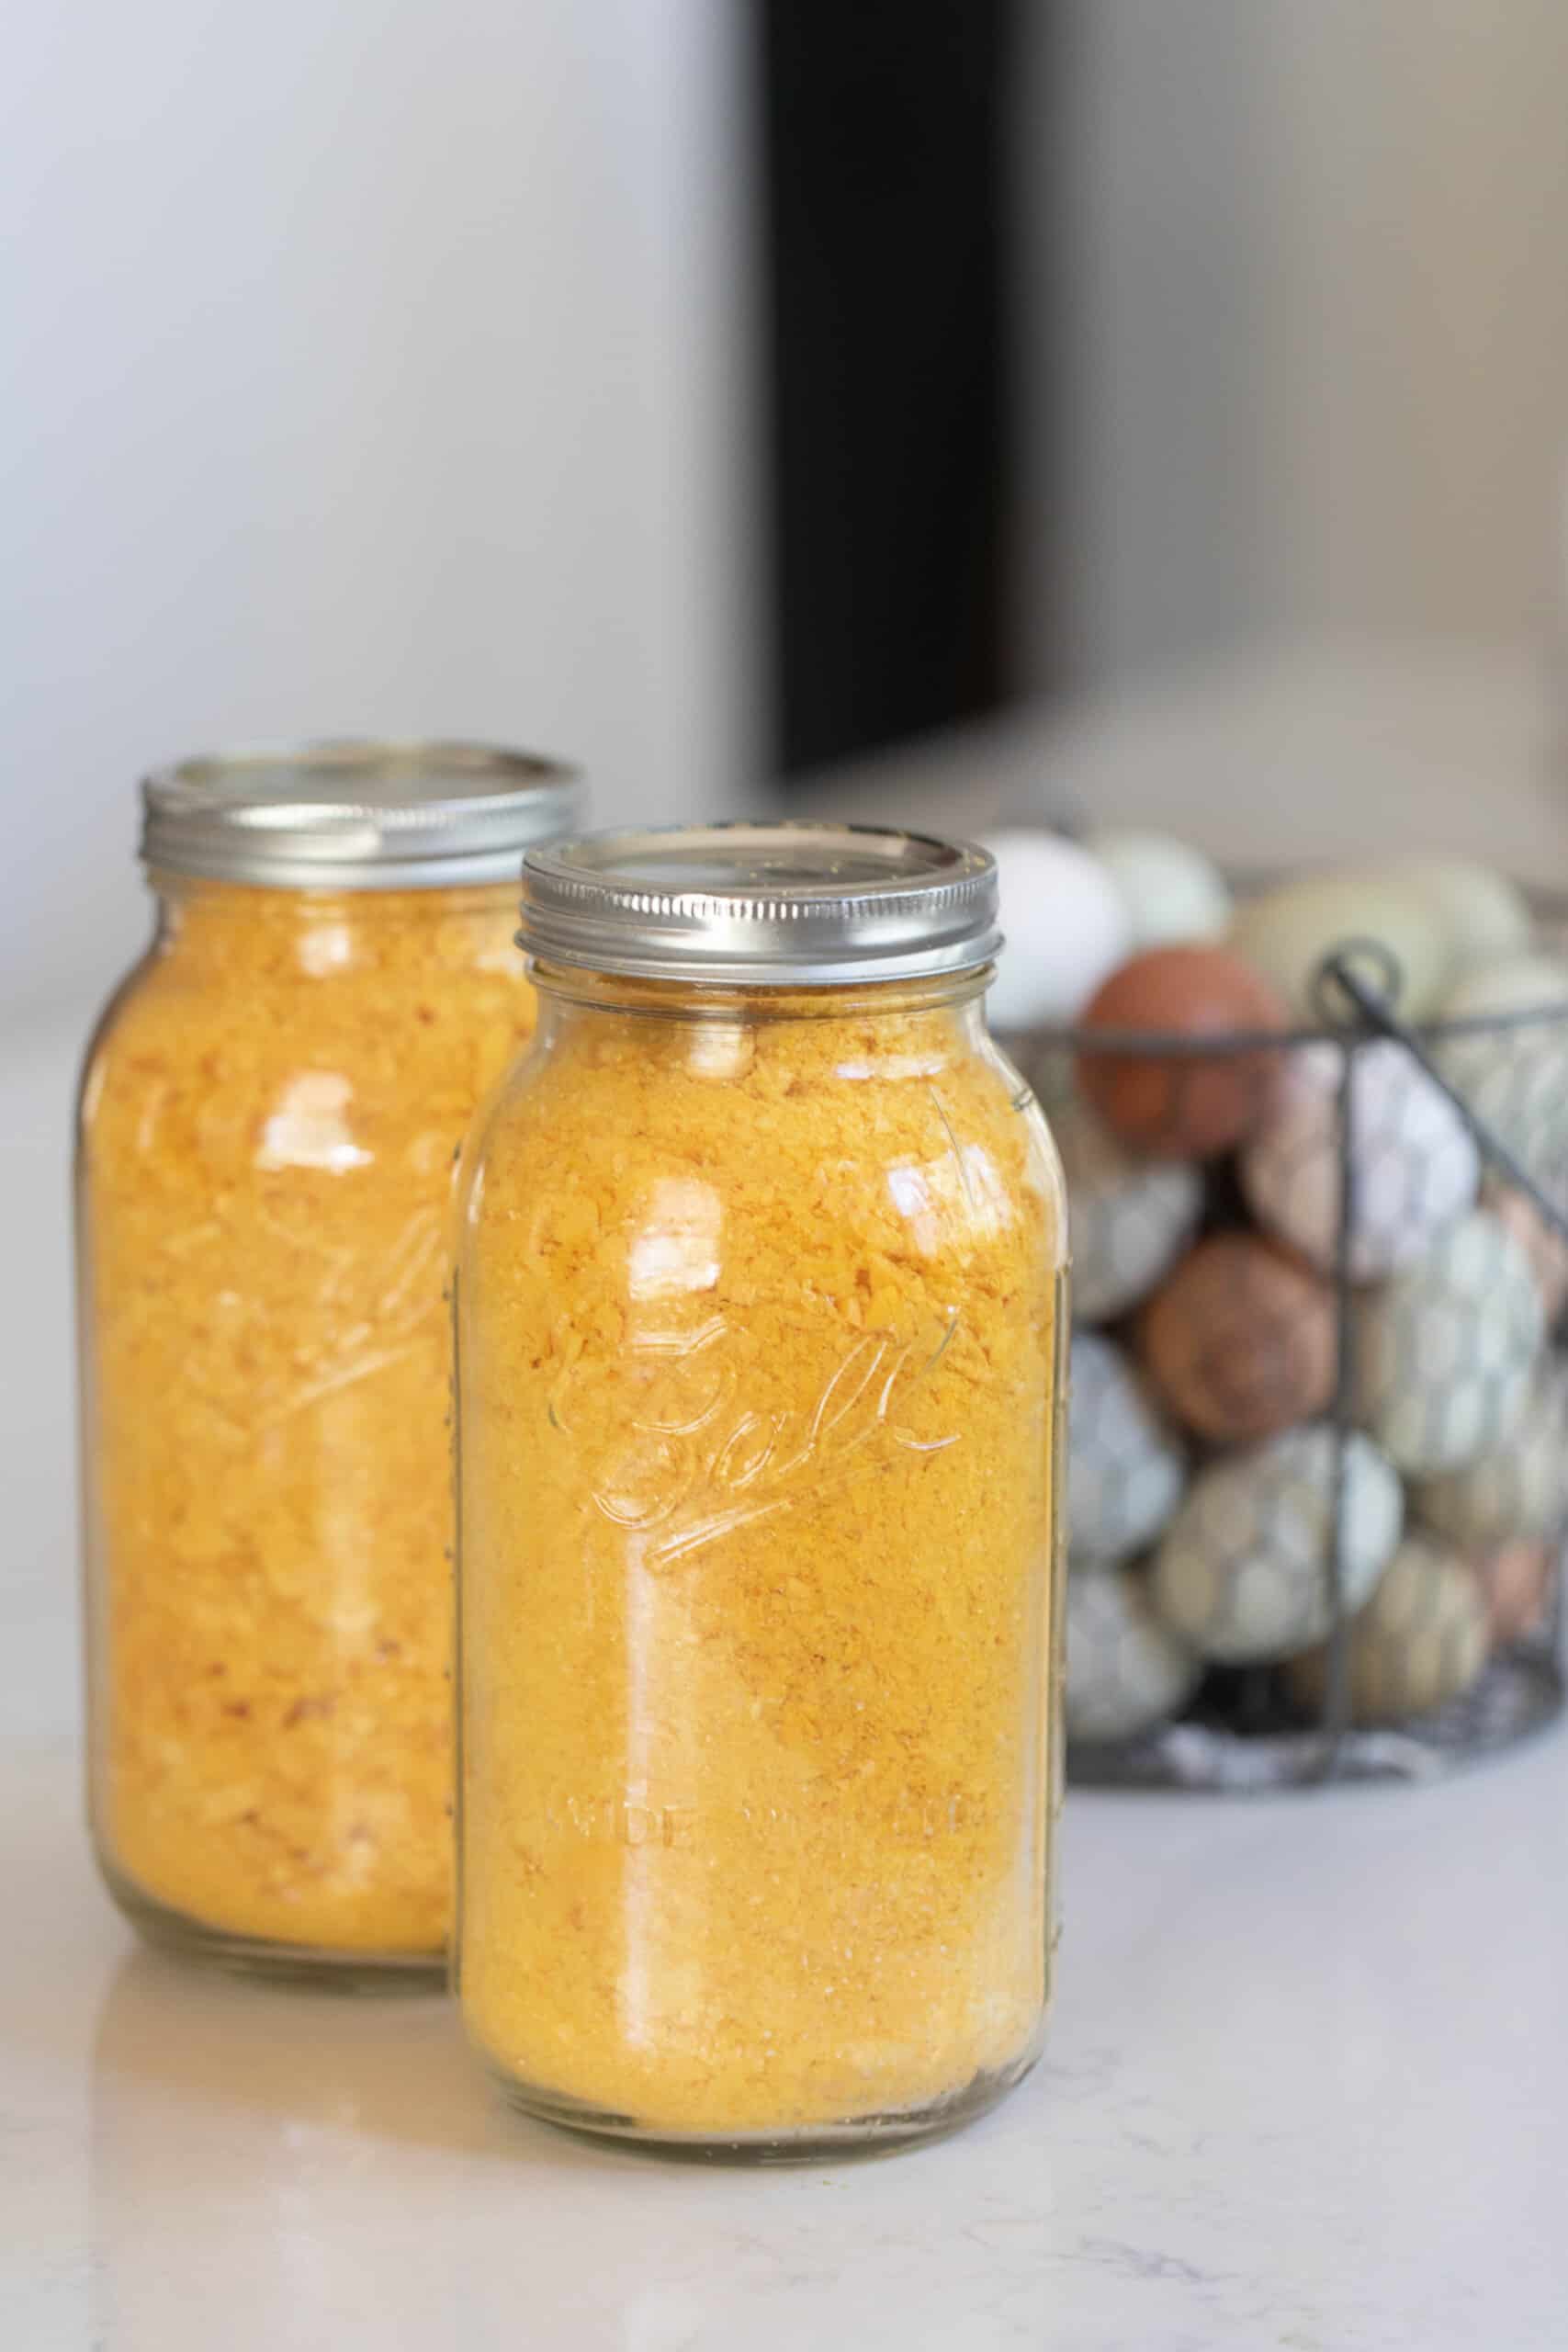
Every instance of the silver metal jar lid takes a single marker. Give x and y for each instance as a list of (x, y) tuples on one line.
[(355, 815), (762, 905)]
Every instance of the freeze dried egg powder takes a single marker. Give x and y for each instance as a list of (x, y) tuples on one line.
[(270, 1120), (757, 1346)]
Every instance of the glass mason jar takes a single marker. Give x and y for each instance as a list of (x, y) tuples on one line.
[(271, 1113), (759, 1320)]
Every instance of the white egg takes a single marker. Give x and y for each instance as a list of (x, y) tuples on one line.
[(1126, 1670), (1512, 984), (1416, 1167), (1065, 928), (1420, 1641), (1444, 1352), (1128, 1220), (1517, 1488), (1485, 915), (1171, 891), (1286, 933), (1244, 1571), (1513, 1078), (1125, 1469)]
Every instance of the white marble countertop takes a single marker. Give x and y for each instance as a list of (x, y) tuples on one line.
[(1307, 2088)]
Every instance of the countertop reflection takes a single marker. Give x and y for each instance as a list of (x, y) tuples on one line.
[(1307, 2089)]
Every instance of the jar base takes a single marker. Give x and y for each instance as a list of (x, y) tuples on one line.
[(321, 1966), (857, 2136)]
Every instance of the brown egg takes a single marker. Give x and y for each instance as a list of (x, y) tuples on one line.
[(1517, 1582), (1181, 1105), (1239, 1340)]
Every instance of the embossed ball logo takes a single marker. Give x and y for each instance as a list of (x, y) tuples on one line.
[(695, 1462)]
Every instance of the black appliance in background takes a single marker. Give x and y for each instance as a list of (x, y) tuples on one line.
[(892, 454)]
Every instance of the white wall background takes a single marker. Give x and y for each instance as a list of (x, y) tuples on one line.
[(362, 366), (1317, 338), (367, 367), (380, 366)]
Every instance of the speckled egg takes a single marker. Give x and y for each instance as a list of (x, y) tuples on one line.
[(1286, 933), (1065, 926), (1127, 1220), (1243, 1571), (1171, 891), (1125, 1469), (1239, 1342), (1444, 1352), (1417, 1167), (1516, 1583), (1126, 1670), (1517, 1487), (1484, 915), (1514, 1078), (1181, 1105), (1421, 1640)]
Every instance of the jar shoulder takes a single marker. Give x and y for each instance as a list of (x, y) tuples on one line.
[(332, 1075), (827, 1147)]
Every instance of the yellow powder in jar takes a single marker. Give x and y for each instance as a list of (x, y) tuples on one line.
[(271, 1116), (757, 1348)]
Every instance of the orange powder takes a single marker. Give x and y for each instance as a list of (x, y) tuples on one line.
[(270, 1119), (758, 1371)]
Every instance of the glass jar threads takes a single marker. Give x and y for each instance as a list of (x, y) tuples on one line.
[(270, 1117), (759, 1310)]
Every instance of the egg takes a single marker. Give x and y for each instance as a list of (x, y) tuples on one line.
[(1546, 1249), (1171, 892), (1239, 1342), (1444, 1352), (1533, 982), (1243, 1573), (1126, 1670), (1287, 931), (1485, 914), (1065, 927), (1513, 1078), (1416, 1167), (1517, 1582), (1517, 1486), (1126, 1470), (1178, 1104), (1127, 1220), (1420, 1641)]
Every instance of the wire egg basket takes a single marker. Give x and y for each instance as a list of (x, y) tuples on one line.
[(1318, 1492)]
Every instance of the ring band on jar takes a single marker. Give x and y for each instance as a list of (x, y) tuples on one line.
[(271, 1113), (759, 1310)]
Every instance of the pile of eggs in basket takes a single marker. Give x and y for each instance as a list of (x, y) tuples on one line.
[(1206, 1197)]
